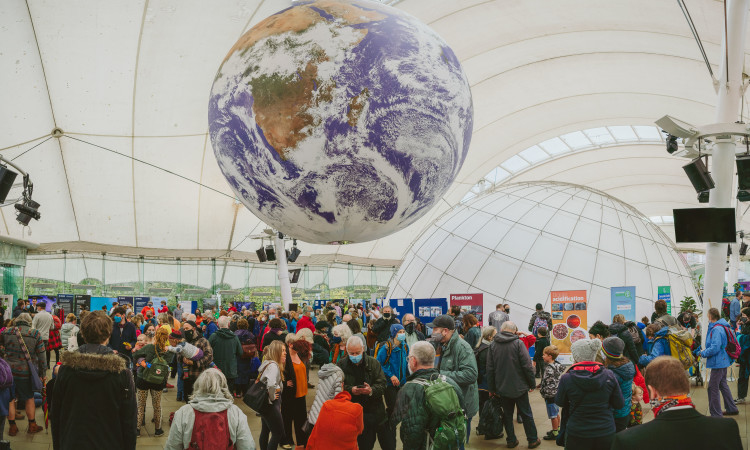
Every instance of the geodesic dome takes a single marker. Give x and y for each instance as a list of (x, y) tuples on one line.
[(520, 241)]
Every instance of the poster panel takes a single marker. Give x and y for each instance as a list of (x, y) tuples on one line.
[(569, 321), (140, 303), (49, 300), (623, 302), (102, 303), (122, 300), (665, 293), (401, 306), (65, 301), (472, 303), (429, 308), (82, 301), (188, 307)]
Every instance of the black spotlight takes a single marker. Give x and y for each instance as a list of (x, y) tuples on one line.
[(7, 177), (672, 144), (698, 175), (27, 211), (729, 250), (261, 252), (703, 196), (743, 249), (270, 253), (743, 196), (294, 254)]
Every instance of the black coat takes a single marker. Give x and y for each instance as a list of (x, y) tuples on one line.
[(120, 335), (382, 328), (367, 371), (95, 403), (622, 332), (591, 392), (682, 428), (509, 370)]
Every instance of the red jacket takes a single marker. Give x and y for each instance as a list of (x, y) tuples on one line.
[(339, 423), (163, 309), (146, 309), (305, 322)]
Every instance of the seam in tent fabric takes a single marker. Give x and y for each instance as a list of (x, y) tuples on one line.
[(132, 123)]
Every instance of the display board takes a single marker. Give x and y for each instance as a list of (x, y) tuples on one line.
[(210, 303), (429, 308), (473, 303), (665, 293), (401, 306), (66, 302), (623, 302), (122, 300), (569, 321), (188, 306), (320, 304), (98, 302), (49, 301), (139, 303), (248, 305), (82, 301)]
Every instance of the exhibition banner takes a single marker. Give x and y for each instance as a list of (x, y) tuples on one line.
[(401, 306), (82, 301), (102, 303), (65, 301), (49, 301), (470, 303), (665, 293), (188, 307), (139, 303), (122, 300), (429, 308), (569, 321), (623, 302)]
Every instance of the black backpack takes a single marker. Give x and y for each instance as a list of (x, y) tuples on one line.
[(491, 419), (477, 352)]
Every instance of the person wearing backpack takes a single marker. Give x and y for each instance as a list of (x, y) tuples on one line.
[(717, 359), (540, 318), (620, 330), (656, 333), (211, 419), (510, 376), (418, 421), (152, 377), (392, 356), (480, 354)]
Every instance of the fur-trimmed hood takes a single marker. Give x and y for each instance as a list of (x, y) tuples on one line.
[(93, 362)]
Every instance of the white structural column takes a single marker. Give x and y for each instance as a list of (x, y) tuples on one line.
[(734, 259), (284, 286), (723, 161)]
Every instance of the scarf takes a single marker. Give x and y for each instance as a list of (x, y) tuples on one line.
[(668, 403)]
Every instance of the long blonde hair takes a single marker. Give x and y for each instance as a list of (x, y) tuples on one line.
[(273, 352), (161, 338)]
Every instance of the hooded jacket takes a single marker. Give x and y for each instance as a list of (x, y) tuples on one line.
[(415, 419), (382, 327), (305, 322), (457, 361), (227, 348), (509, 370), (397, 364), (659, 347), (624, 374), (340, 422), (211, 328), (622, 332), (97, 398), (330, 377), (321, 350), (182, 424), (590, 392), (716, 343), (68, 329)]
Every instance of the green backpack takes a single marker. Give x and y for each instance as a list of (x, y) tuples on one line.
[(442, 403), (156, 370)]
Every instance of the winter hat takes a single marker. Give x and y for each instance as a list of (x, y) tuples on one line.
[(613, 347), (322, 325), (585, 349), (176, 334), (395, 329)]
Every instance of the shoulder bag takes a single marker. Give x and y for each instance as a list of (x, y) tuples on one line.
[(36, 382), (257, 396)]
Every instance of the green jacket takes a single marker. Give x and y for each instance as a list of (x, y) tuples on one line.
[(367, 371), (227, 349), (147, 353), (457, 362), (411, 413)]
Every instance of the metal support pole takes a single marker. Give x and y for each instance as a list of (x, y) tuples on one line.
[(727, 111), (284, 286), (65, 268), (104, 275)]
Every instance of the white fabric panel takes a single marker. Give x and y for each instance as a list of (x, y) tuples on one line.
[(496, 274), (446, 252), (474, 223), (463, 267)]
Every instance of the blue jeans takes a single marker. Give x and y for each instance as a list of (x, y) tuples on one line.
[(180, 391)]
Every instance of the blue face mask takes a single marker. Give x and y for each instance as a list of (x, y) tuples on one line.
[(401, 337), (336, 339), (355, 359), (271, 316), (118, 319)]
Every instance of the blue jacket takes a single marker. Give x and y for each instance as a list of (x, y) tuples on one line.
[(624, 374), (734, 309), (211, 328), (398, 364), (660, 347), (715, 354)]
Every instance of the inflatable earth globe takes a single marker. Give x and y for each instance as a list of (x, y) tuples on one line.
[(340, 121)]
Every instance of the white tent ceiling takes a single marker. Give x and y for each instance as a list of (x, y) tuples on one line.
[(133, 77)]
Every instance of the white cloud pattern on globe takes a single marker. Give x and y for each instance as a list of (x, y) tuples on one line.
[(340, 121)]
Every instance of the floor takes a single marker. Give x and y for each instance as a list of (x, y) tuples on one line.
[(147, 441)]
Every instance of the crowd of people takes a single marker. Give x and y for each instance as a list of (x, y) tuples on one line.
[(380, 378)]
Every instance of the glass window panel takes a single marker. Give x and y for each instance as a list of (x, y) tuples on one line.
[(623, 133), (554, 146), (576, 140), (599, 136), (514, 164), (648, 133), (534, 154)]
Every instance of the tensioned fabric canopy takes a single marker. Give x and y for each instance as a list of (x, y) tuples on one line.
[(131, 78)]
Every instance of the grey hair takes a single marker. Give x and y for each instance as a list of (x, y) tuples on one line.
[(508, 326), (211, 383), (487, 332), (305, 334), (23, 317), (342, 330), (354, 343), (424, 353), (223, 322), (290, 338)]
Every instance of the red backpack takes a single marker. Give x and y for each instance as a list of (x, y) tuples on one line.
[(733, 348), (211, 431)]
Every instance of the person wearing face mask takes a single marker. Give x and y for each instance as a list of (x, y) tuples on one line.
[(195, 368), (365, 381), (270, 317), (341, 334), (393, 358), (410, 326), (305, 322), (321, 345), (676, 424), (123, 335), (382, 327), (457, 362), (410, 412)]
